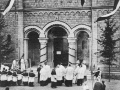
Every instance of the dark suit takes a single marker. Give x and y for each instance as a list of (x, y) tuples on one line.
[(38, 70), (98, 86)]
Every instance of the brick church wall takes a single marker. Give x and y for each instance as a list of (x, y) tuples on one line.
[(42, 12)]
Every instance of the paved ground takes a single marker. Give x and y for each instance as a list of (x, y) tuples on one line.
[(112, 85)]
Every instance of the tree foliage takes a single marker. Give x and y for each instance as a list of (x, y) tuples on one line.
[(5, 42), (108, 41)]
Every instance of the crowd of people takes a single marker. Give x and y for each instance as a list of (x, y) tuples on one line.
[(58, 76), (16, 77), (62, 75)]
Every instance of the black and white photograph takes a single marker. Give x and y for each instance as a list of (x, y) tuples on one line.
[(59, 44)]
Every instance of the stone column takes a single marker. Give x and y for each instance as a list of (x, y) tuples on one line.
[(26, 51), (43, 50), (72, 50), (90, 62), (94, 38), (20, 28)]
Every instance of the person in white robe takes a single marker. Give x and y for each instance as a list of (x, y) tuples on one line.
[(53, 79), (85, 72), (14, 64), (25, 78), (14, 78), (48, 71), (80, 75), (75, 74), (3, 78), (22, 65), (19, 77), (2, 66), (63, 71), (59, 75), (69, 76), (9, 78), (43, 76)]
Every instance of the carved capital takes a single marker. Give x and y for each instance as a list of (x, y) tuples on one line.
[(71, 40), (43, 40)]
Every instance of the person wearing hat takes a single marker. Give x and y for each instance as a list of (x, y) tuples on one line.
[(31, 78), (19, 77), (69, 76), (9, 77)]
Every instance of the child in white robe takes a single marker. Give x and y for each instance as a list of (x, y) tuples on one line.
[(53, 79)]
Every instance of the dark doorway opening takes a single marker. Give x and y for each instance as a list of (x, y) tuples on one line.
[(33, 48), (58, 37)]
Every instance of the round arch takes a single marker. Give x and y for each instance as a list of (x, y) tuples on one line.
[(29, 29), (56, 23), (86, 28)]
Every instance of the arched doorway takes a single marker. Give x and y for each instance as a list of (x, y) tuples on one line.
[(57, 46), (83, 47), (33, 48)]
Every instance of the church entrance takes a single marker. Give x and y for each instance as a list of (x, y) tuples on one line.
[(33, 48), (58, 46)]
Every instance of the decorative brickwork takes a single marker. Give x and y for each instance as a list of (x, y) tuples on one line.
[(72, 18), (54, 3), (39, 13)]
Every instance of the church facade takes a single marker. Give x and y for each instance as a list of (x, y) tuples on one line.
[(56, 31)]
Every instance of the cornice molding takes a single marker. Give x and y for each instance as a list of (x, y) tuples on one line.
[(60, 9)]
